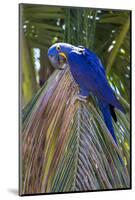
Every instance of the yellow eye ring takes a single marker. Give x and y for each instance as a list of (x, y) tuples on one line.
[(58, 48)]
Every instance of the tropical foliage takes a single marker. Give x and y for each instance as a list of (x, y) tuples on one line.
[(65, 145)]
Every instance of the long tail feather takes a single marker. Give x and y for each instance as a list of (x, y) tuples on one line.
[(107, 112), (105, 109)]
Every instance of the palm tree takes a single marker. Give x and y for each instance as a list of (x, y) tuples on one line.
[(67, 147)]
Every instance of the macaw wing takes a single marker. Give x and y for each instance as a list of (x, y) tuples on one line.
[(93, 58), (89, 74)]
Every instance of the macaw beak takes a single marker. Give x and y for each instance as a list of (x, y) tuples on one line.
[(63, 54), (59, 61), (62, 60)]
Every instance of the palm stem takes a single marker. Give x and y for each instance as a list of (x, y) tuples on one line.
[(119, 40)]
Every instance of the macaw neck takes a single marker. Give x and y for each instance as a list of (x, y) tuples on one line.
[(68, 49)]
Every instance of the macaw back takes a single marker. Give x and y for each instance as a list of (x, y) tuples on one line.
[(89, 74)]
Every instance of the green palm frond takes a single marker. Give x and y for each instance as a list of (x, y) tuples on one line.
[(106, 32), (67, 147), (114, 37), (40, 24)]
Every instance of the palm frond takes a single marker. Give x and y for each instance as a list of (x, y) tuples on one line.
[(67, 147)]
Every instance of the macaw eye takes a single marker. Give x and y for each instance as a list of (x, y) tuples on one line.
[(58, 48)]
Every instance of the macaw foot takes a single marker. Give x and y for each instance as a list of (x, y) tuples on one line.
[(80, 98)]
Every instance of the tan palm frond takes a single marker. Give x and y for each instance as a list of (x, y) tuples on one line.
[(67, 147)]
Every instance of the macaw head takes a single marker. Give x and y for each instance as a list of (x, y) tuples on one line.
[(58, 54)]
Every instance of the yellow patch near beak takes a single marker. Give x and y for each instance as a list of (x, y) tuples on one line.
[(62, 54)]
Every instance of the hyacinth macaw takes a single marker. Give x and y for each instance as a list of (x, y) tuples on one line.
[(88, 72)]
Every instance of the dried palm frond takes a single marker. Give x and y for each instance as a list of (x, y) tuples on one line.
[(67, 147)]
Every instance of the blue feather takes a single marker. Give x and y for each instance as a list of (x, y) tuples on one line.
[(105, 109), (90, 75)]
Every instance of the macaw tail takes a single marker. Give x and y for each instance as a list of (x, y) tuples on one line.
[(107, 112)]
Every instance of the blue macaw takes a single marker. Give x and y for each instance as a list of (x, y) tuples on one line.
[(88, 72)]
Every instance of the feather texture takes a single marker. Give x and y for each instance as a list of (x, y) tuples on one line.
[(90, 75)]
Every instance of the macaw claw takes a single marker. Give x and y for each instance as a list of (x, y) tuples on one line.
[(79, 98)]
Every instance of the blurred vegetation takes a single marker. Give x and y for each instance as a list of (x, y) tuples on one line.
[(106, 32), (67, 147)]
